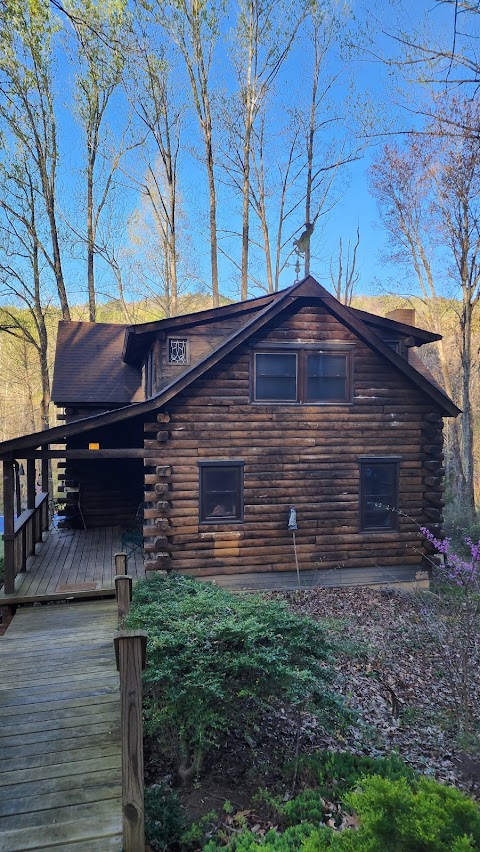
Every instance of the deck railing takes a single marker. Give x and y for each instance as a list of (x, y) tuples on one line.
[(130, 649), (28, 529)]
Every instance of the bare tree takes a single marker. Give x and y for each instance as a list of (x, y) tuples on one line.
[(444, 55), (100, 30), (428, 196), (194, 28), (160, 110), (287, 168), (346, 276), (24, 312), (265, 32), (27, 110)]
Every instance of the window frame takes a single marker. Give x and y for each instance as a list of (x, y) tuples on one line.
[(302, 351), (393, 461), (238, 466), (187, 351), (278, 351)]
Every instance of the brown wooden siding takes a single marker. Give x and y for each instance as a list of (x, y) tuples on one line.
[(202, 340), (105, 492), (305, 456)]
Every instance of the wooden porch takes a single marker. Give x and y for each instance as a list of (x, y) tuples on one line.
[(69, 564)]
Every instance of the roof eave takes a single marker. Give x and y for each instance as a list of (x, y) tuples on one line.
[(311, 289)]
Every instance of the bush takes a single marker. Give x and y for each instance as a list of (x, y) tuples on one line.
[(164, 817), (394, 815), (304, 837), (335, 773), (425, 817), (306, 807), (218, 661)]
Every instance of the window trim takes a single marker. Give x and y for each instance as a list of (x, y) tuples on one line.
[(297, 376), (394, 515), (302, 351), (238, 465), (187, 349)]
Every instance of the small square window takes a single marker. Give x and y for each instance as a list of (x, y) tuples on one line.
[(221, 492), (327, 377), (276, 376), (178, 350), (379, 495)]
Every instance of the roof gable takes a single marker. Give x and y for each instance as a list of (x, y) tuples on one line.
[(307, 289), (139, 337)]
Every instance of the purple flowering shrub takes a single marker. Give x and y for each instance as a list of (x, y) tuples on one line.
[(454, 620), (455, 569)]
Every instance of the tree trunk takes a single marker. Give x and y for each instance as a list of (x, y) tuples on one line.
[(467, 416), (213, 222), (90, 241)]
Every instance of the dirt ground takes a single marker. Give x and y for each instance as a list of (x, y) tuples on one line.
[(391, 671)]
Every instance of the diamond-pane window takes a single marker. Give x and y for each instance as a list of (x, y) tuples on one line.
[(177, 350)]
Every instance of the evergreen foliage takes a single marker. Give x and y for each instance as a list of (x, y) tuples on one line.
[(218, 661)]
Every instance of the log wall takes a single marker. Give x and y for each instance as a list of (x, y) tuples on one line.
[(305, 456), (104, 492), (202, 339)]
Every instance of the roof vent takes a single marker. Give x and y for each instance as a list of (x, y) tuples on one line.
[(405, 315)]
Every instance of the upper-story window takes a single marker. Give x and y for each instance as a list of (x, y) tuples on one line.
[(178, 350), (305, 375), (397, 346)]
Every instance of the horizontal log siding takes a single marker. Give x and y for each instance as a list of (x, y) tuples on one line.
[(306, 456), (202, 339)]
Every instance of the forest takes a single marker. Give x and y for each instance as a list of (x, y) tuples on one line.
[(163, 157)]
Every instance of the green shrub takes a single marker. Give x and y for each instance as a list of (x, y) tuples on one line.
[(164, 817), (425, 817), (196, 835), (337, 772), (303, 837), (399, 815), (218, 661), (306, 807)]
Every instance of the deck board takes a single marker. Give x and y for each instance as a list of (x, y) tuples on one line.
[(60, 757), (70, 558)]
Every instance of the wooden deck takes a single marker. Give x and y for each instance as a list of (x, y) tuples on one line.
[(72, 563), (60, 766)]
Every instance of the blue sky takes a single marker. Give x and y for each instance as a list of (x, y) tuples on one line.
[(376, 95)]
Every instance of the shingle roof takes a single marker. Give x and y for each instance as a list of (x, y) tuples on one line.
[(89, 366), (307, 288)]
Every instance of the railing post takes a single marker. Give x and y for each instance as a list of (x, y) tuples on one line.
[(31, 474), (9, 527), (130, 648), (123, 593), (120, 563)]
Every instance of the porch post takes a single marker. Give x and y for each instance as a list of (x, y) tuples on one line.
[(18, 490), (45, 480), (9, 526), (30, 483), (45, 466)]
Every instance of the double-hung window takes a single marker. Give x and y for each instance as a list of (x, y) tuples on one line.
[(305, 375), (379, 478), (221, 491), (276, 376)]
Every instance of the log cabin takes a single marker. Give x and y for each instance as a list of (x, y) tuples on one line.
[(211, 427)]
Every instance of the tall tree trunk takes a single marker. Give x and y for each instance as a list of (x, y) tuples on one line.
[(467, 415), (92, 313), (212, 193)]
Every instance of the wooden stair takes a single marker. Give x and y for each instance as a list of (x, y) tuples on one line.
[(60, 753)]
